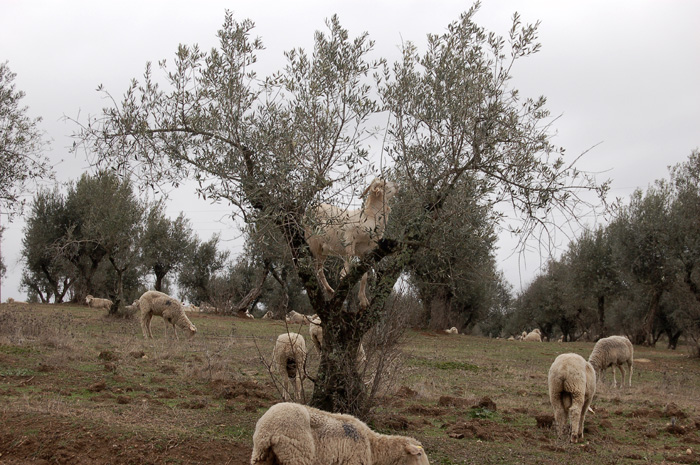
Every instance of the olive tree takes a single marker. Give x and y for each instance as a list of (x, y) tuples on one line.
[(164, 242), (276, 147), (21, 146)]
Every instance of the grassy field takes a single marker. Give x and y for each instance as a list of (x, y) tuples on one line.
[(77, 387)]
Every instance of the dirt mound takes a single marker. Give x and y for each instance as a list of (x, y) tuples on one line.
[(392, 421), (483, 403), (406, 392), (480, 429), (57, 441), (242, 390)]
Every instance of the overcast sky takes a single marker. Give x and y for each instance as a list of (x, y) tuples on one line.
[(621, 74)]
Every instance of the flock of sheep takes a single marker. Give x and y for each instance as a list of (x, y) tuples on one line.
[(292, 433)]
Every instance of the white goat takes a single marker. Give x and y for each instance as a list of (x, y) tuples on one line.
[(350, 233)]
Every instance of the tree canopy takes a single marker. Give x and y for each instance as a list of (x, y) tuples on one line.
[(275, 147), (21, 146)]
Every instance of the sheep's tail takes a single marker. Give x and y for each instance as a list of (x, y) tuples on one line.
[(566, 400)]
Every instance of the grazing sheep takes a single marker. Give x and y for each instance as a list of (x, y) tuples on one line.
[(289, 359), (533, 336), (294, 434), (94, 302), (350, 233), (296, 318), (611, 352), (452, 330), (571, 390), (134, 307), (267, 315), (316, 334), (156, 303)]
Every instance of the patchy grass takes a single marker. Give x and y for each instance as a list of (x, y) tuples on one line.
[(78, 387)]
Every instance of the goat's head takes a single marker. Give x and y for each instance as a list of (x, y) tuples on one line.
[(380, 188)]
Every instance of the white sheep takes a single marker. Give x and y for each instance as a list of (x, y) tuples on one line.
[(296, 318), (350, 233), (94, 302), (533, 336), (248, 315), (452, 330), (572, 383), (316, 334), (295, 434), (157, 303), (134, 307), (289, 359), (611, 352), (267, 315)]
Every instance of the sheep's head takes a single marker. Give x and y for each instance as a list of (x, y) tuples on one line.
[(88, 299), (192, 330), (415, 455)]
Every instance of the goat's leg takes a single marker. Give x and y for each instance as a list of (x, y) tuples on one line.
[(362, 294), (321, 276)]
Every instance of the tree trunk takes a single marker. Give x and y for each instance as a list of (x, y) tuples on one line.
[(673, 339), (254, 293), (648, 327), (339, 386), (601, 316), (159, 282)]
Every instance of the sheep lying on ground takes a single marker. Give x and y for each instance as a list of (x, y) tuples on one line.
[(10, 300), (613, 351), (533, 336), (267, 315), (316, 334), (156, 303), (350, 233), (294, 434), (296, 318), (571, 390), (452, 330), (192, 308), (248, 315), (94, 302), (208, 308), (288, 360)]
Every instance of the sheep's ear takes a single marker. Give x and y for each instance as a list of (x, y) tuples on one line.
[(413, 449)]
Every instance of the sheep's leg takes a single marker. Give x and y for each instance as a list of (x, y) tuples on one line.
[(175, 331), (560, 413), (612, 367), (576, 416), (146, 325), (584, 411), (623, 374), (631, 367)]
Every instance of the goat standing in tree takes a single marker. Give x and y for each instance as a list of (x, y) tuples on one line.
[(350, 233)]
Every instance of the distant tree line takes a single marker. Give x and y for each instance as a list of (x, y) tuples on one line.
[(638, 276)]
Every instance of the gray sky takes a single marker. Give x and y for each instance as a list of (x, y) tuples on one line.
[(625, 74)]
